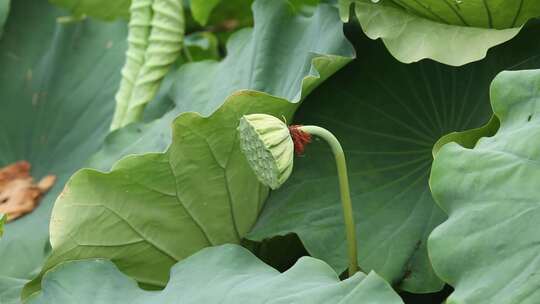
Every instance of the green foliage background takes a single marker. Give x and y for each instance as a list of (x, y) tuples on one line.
[(443, 162)]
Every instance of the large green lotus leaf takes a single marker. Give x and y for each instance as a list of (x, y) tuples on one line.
[(488, 247), (154, 209), (201, 9), (57, 85), (102, 9), (227, 274), (4, 12), (388, 115), (453, 32), (285, 55), (498, 14)]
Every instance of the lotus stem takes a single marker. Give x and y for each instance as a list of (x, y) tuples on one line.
[(346, 202)]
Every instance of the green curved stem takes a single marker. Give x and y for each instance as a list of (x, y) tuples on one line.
[(350, 231)]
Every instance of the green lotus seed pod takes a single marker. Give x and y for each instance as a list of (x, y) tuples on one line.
[(267, 144)]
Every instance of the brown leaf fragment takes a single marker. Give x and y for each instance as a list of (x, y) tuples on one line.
[(19, 194)]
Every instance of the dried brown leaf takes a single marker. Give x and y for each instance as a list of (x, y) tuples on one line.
[(19, 194)]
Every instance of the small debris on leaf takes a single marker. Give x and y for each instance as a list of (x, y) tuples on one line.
[(19, 194)]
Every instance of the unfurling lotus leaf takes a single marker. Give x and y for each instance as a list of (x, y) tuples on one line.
[(268, 146)]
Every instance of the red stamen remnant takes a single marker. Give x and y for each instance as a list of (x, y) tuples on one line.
[(300, 138)]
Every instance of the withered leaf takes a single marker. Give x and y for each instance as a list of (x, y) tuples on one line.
[(19, 194)]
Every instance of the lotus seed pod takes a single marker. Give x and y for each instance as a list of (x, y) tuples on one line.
[(267, 144)]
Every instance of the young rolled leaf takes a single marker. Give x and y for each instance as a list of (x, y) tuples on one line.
[(201, 192), (232, 275), (56, 85), (388, 120), (488, 248), (156, 33), (451, 32)]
